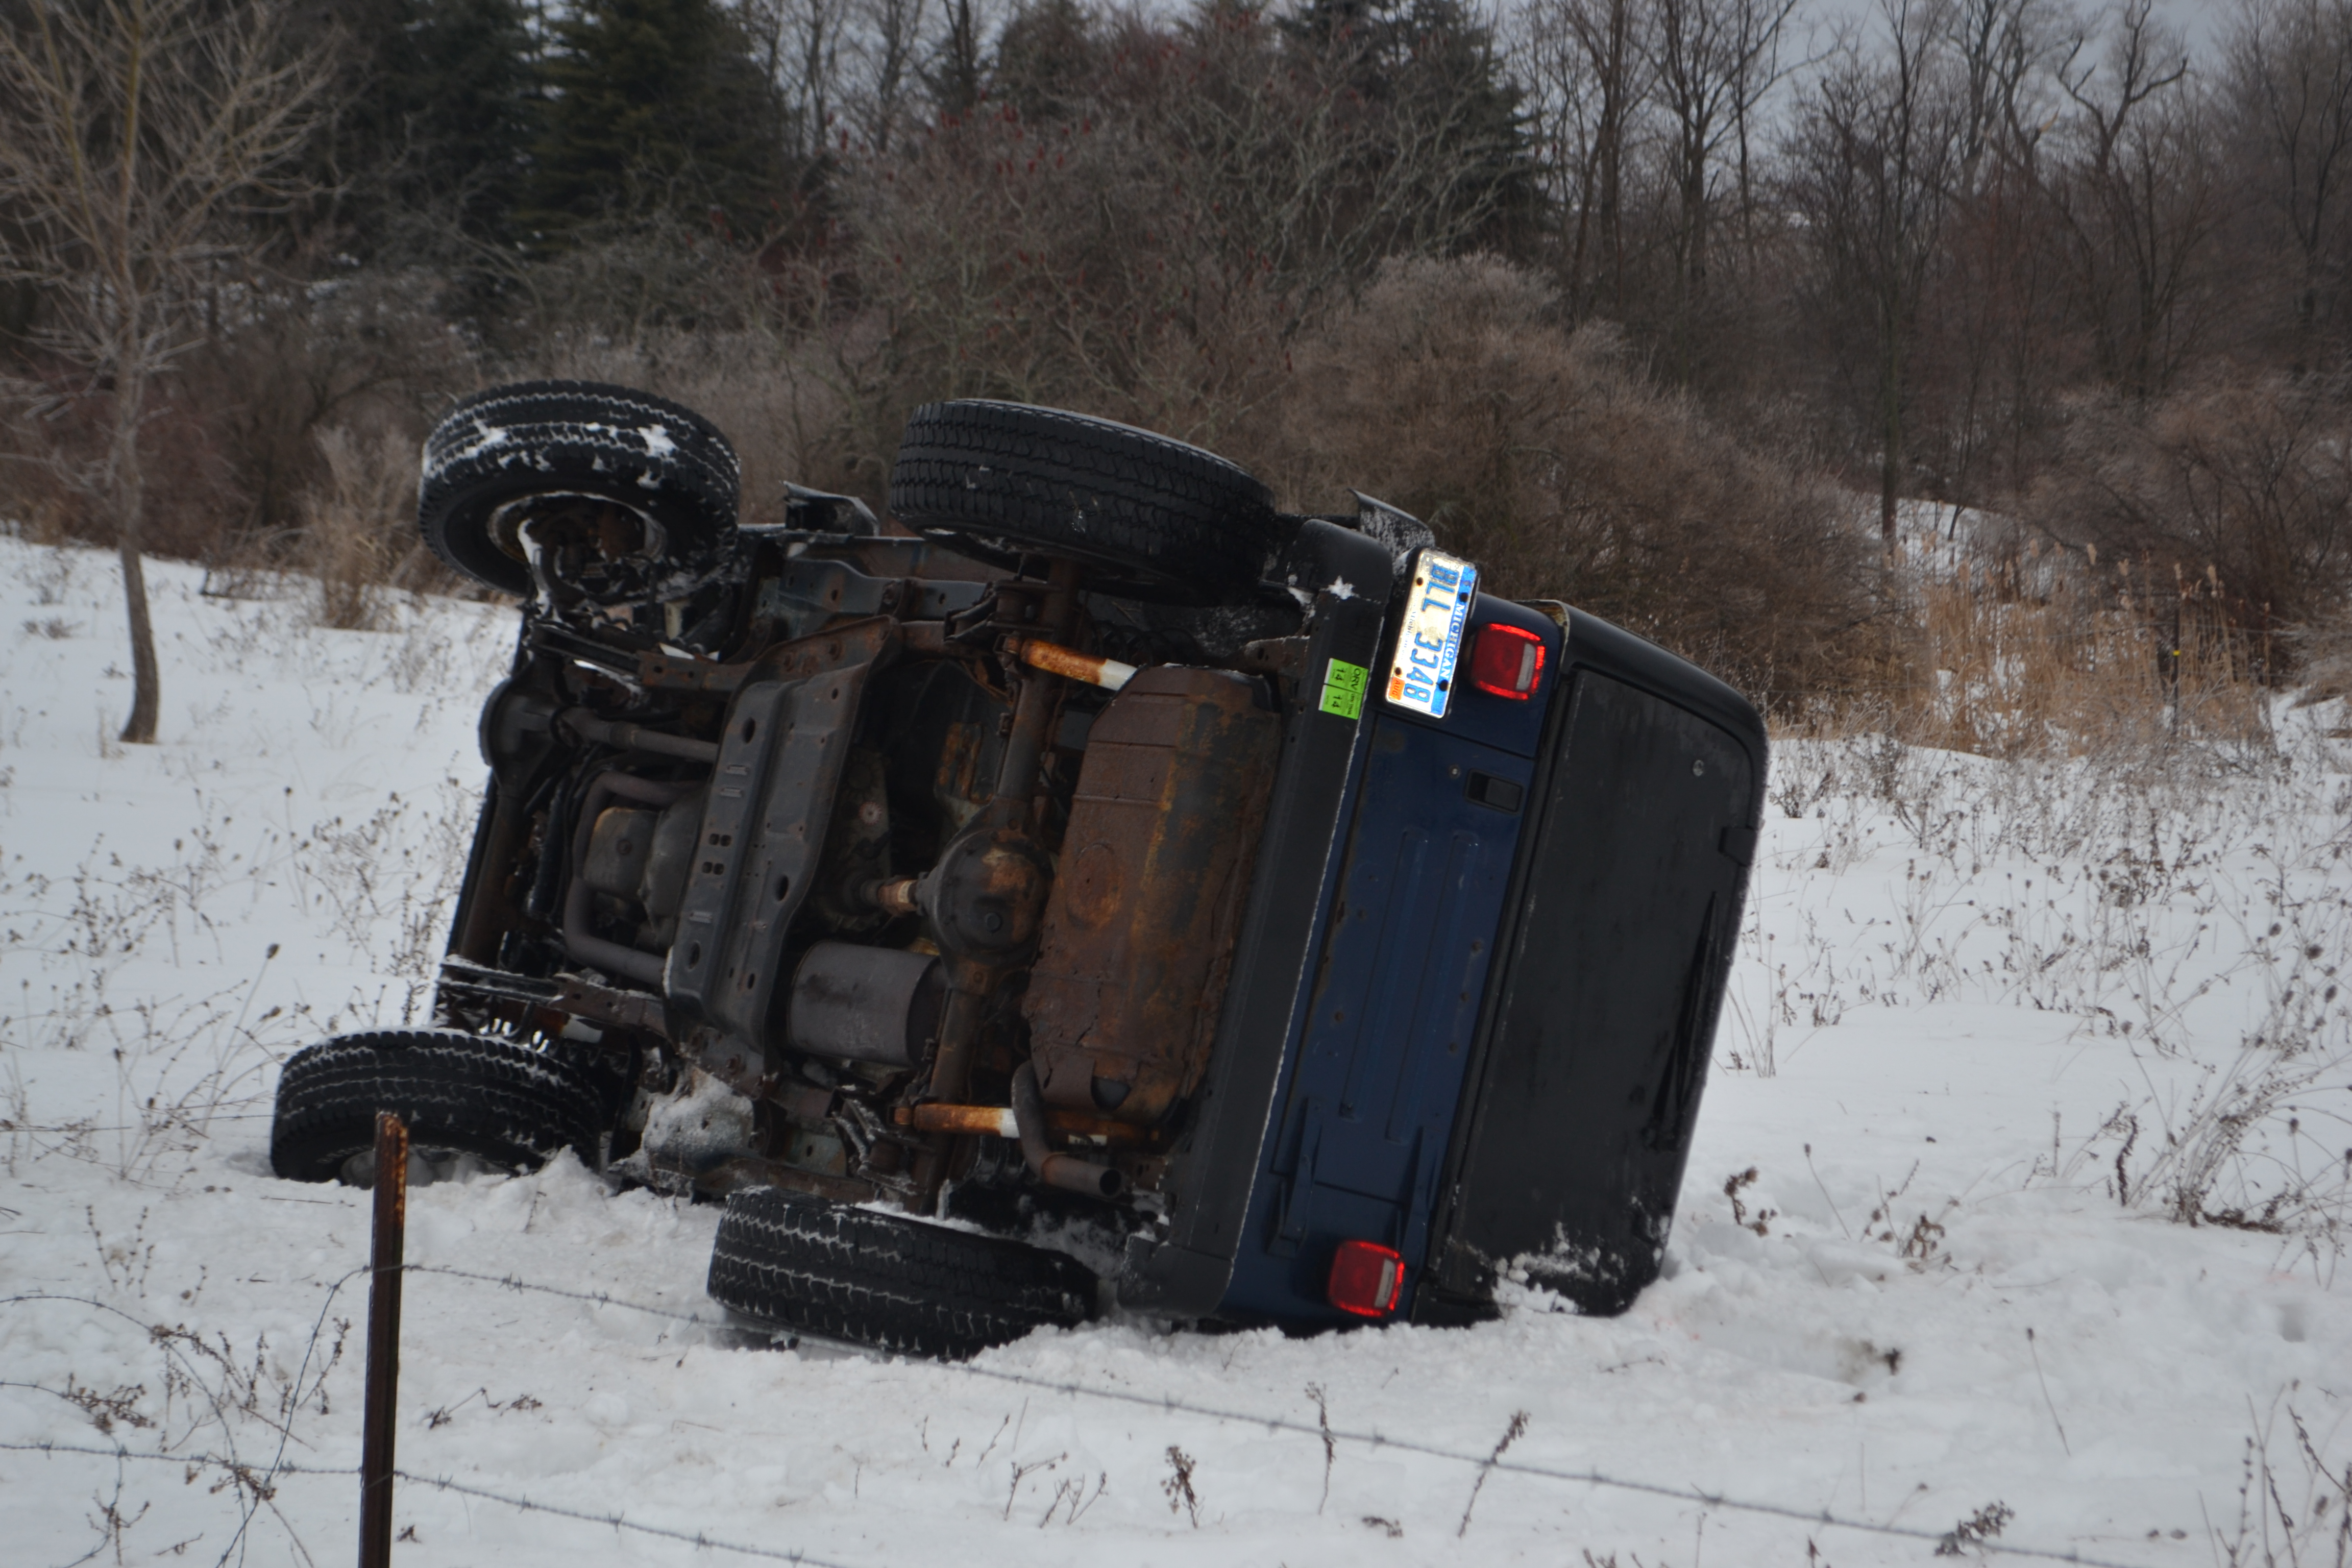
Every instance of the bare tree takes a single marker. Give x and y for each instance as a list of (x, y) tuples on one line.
[(800, 45), (887, 41), (1873, 159), (1587, 89), (134, 133), (958, 64), (1997, 310), (1713, 61), (2289, 68), (2137, 202)]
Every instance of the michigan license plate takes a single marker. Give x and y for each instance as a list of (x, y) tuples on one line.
[(1430, 644)]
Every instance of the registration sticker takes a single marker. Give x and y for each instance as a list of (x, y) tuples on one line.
[(1429, 645), (1343, 689)]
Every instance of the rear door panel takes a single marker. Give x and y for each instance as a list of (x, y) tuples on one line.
[(1364, 1120), (1571, 1148)]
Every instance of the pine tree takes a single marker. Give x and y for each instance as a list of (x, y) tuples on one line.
[(1048, 59), (440, 115), (1432, 68), (654, 105)]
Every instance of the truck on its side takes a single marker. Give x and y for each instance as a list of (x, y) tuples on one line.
[(1103, 890)]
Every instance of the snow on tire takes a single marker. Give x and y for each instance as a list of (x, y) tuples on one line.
[(657, 457), (893, 1283), (502, 1102)]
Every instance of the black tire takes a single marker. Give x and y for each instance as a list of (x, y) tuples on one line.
[(1154, 518), (896, 1284), (500, 1102), (663, 461)]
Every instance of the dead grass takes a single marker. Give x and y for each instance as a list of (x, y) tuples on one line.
[(1455, 388), (359, 539), (2055, 655)]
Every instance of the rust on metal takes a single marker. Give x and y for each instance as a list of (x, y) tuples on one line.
[(1070, 1172), (683, 672), (891, 895), (839, 648), (1008, 859), (998, 1121), (985, 898), (1071, 665), (377, 1415), (991, 1120), (1124, 996)]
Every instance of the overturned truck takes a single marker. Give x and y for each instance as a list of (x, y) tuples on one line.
[(1104, 891)]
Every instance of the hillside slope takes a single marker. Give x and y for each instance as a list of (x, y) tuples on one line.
[(1996, 1029)]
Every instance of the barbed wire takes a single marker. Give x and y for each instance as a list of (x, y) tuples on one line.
[(208, 1461), (1946, 1540), (252, 1492), (616, 1521), (439, 1483), (257, 1477)]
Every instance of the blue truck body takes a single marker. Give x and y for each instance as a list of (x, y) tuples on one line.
[(1529, 902)]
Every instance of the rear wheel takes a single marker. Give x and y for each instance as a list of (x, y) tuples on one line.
[(896, 1284), (1154, 518), (502, 1102)]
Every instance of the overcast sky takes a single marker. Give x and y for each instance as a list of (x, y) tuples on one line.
[(2197, 20)]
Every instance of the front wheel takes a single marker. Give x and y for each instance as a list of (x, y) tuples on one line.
[(896, 1284), (502, 1102)]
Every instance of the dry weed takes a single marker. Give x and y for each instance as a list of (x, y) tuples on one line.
[(360, 538), (2294, 1505), (2041, 654)]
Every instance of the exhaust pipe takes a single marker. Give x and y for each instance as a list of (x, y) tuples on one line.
[(1067, 1171)]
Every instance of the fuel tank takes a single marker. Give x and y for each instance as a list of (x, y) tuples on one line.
[(1124, 997)]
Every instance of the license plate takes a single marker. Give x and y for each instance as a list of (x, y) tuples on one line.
[(1430, 644)]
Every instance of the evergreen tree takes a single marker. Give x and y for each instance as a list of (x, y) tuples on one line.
[(1432, 69), (1048, 59), (956, 73), (654, 105), (439, 118)]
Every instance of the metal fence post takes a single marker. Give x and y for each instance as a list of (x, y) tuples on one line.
[(383, 1340)]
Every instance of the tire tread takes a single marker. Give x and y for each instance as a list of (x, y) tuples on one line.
[(547, 436), (894, 1283), (503, 1102), (1170, 514)]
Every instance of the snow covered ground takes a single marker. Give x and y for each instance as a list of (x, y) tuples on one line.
[(1996, 1028)]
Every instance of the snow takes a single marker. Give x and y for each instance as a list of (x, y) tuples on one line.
[(1968, 994)]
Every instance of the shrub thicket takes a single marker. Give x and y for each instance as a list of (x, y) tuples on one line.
[(1496, 275)]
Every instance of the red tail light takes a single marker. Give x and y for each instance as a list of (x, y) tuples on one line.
[(1507, 661), (1366, 1279)]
